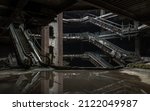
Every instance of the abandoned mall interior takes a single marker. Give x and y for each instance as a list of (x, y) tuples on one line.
[(74, 46)]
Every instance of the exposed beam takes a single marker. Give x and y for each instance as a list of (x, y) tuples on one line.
[(113, 8)]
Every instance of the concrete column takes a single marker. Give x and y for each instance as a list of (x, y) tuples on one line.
[(137, 39), (57, 44), (60, 39), (136, 24), (44, 82), (45, 41), (57, 41), (102, 12)]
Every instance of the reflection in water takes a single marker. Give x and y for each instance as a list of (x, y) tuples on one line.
[(57, 87), (77, 81)]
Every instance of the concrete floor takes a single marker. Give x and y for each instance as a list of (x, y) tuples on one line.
[(133, 80), (127, 80)]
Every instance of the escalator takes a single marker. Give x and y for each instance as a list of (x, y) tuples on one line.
[(23, 58), (119, 55), (98, 61), (27, 53), (106, 25), (101, 21), (114, 50), (86, 17), (24, 44)]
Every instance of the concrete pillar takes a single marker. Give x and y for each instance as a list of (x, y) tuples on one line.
[(136, 24), (44, 82), (58, 84), (102, 12), (57, 41), (57, 44), (45, 41), (60, 39), (137, 39)]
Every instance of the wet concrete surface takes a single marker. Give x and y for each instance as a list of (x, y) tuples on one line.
[(143, 74), (113, 81), (122, 81)]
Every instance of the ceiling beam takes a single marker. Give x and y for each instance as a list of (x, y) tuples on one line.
[(108, 6)]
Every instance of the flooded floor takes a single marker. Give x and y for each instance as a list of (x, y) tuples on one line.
[(104, 81), (121, 81)]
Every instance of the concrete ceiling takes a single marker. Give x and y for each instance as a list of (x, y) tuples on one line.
[(136, 9), (41, 11)]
